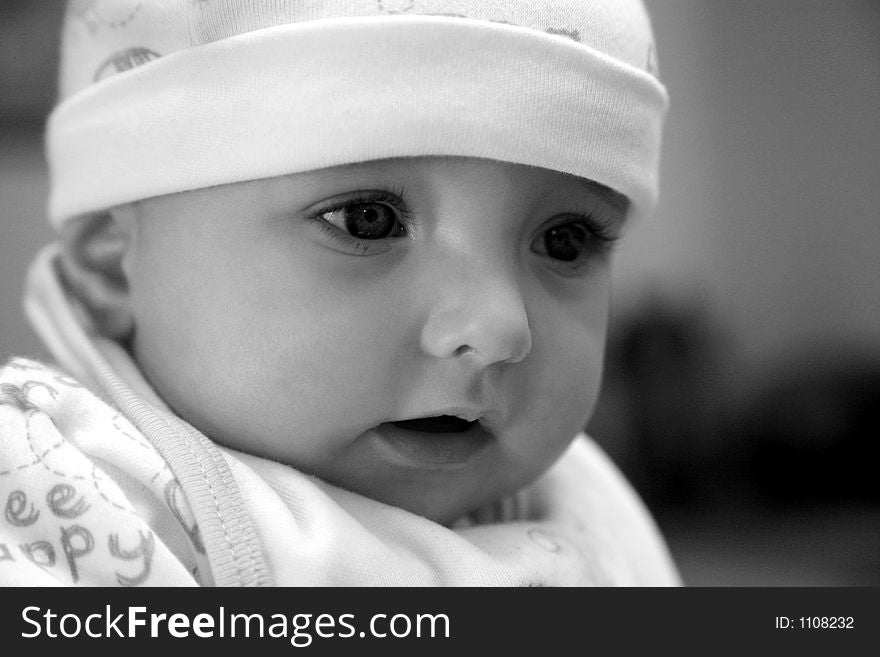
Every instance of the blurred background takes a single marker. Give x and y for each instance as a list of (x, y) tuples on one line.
[(742, 388)]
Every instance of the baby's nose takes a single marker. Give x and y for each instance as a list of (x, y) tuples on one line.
[(482, 319)]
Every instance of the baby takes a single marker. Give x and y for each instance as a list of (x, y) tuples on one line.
[(330, 297)]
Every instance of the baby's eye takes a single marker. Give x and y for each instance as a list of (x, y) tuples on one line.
[(366, 221), (565, 242), (571, 242)]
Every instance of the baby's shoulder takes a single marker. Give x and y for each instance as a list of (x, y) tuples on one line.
[(81, 488), (21, 377), (587, 484)]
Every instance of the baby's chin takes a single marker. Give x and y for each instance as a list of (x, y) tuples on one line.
[(431, 498), (442, 511)]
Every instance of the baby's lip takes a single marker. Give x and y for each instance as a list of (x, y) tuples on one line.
[(489, 420), (436, 424), (413, 444)]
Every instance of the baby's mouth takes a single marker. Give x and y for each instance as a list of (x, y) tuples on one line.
[(440, 441), (436, 424)]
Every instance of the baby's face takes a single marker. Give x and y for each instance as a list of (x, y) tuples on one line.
[(426, 332)]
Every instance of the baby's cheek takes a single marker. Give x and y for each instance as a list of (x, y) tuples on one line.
[(573, 382)]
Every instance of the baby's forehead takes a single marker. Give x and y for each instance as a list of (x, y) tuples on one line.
[(419, 184), (435, 168)]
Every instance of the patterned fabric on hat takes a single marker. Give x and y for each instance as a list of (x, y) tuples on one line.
[(103, 37)]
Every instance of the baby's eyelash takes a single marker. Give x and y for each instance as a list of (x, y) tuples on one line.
[(392, 197), (605, 232)]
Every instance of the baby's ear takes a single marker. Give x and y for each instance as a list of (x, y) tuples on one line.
[(94, 251)]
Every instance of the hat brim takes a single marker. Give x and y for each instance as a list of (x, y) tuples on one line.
[(318, 94)]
